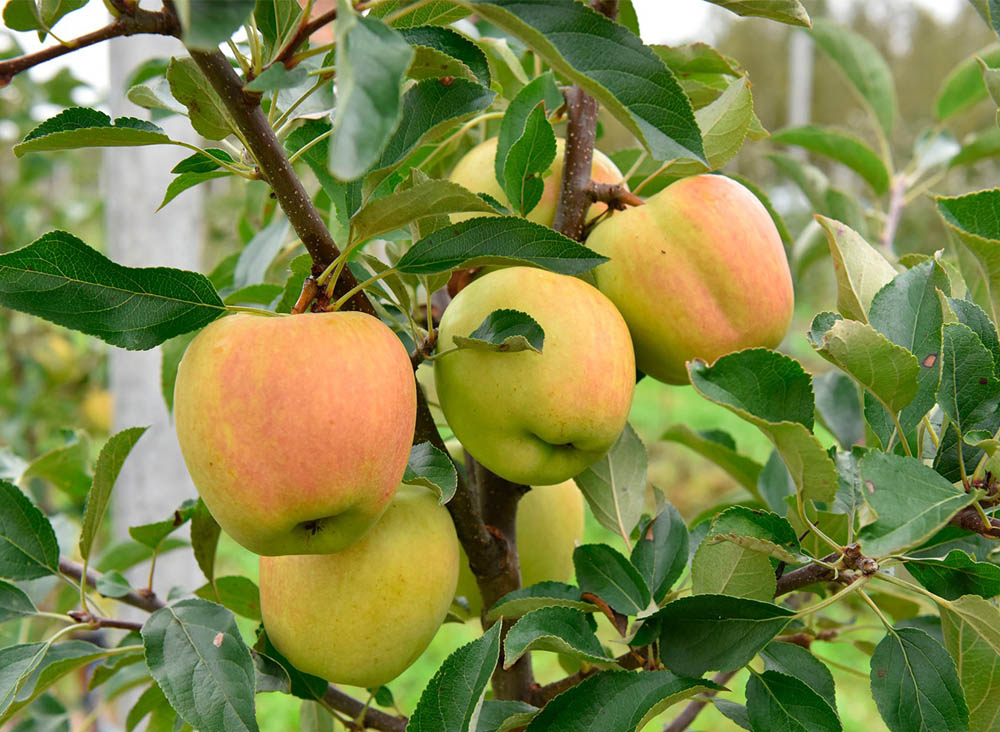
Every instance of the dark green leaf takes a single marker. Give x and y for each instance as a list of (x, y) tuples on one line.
[(542, 90), (67, 468), (608, 62), (450, 699), (843, 148), (505, 331), (716, 632), (915, 684), (428, 466), (28, 15), (205, 532), (973, 316), (302, 685), (794, 660), (559, 630), (188, 180), (969, 390), (14, 603), (450, 43), (208, 114), (956, 575), (372, 60), (779, 701), (543, 594), (195, 653), (152, 535), (28, 547), (661, 552), (973, 218), (838, 405), (109, 465), (602, 571), (623, 701), (61, 279), (496, 240), (435, 12), (495, 712), (237, 593), (81, 127), (26, 671)]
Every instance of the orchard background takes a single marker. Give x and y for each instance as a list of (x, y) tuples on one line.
[(901, 126)]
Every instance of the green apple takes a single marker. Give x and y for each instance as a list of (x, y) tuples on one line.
[(549, 527), (698, 272), (476, 171), (362, 615), (296, 430), (537, 418)]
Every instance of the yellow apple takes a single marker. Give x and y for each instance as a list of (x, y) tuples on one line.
[(549, 528), (362, 615), (476, 171), (537, 419), (698, 272), (296, 430)]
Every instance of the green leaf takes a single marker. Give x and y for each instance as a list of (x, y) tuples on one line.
[(716, 632), (908, 312), (843, 148), (978, 146), (973, 219), (615, 485), (528, 158), (661, 552), (429, 108), (113, 584), (784, 11), (40, 15), (745, 470), (911, 500), (541, 90), (623, 701), (153, 704), (432, 198), (152, 535), (861, 270), (259, 252), (779, 701), (302, 685), (838, 407), (208, 114), (973, 316), (171, 353), (723, 124), (495, 713), (126, 554), (205, 534), (372, 60), (541, 595), (495, 240), (299, 268), (774, 393), (969, 390), (109, 465), (602, 571), (184, 181), (277, 21), (505, 331), (67, 468), (964, 87), (61, 279), (14, 603), (239, 594), (794, 660), (428, 466), (81, 127), (26, 671), (863, 66), (888, 371), (971, 627), (694, 59), (450, 700), (559, 630), (956, 575), (436, 12), (209, 677), (28, 546), (609, 63), (447, 46), (202, 163), (278, 77), (915, 684), (207, 23)]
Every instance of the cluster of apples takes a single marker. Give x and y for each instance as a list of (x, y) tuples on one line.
[(296, 430)]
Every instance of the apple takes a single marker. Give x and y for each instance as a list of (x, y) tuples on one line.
[(476, 171), (549, 527), (362, 615), (697, 272), (537, 418), (296, 429)]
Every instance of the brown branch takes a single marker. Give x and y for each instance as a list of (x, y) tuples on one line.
[(581, 133), (148, 602), (96, 621), (542, 695), (606, 7), (683, 720), (373, 719), (970, 520), (140, 21), (305, 30), (249, 117)]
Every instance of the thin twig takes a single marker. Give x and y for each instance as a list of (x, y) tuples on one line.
[(683, 720)]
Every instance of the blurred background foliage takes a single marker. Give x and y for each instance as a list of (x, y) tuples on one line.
[(53, 383)]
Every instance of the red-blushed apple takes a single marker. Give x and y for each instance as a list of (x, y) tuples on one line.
[(698, 272), (296, 430), (537, 418), (549, 527), (362, 615), (476, 172)]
